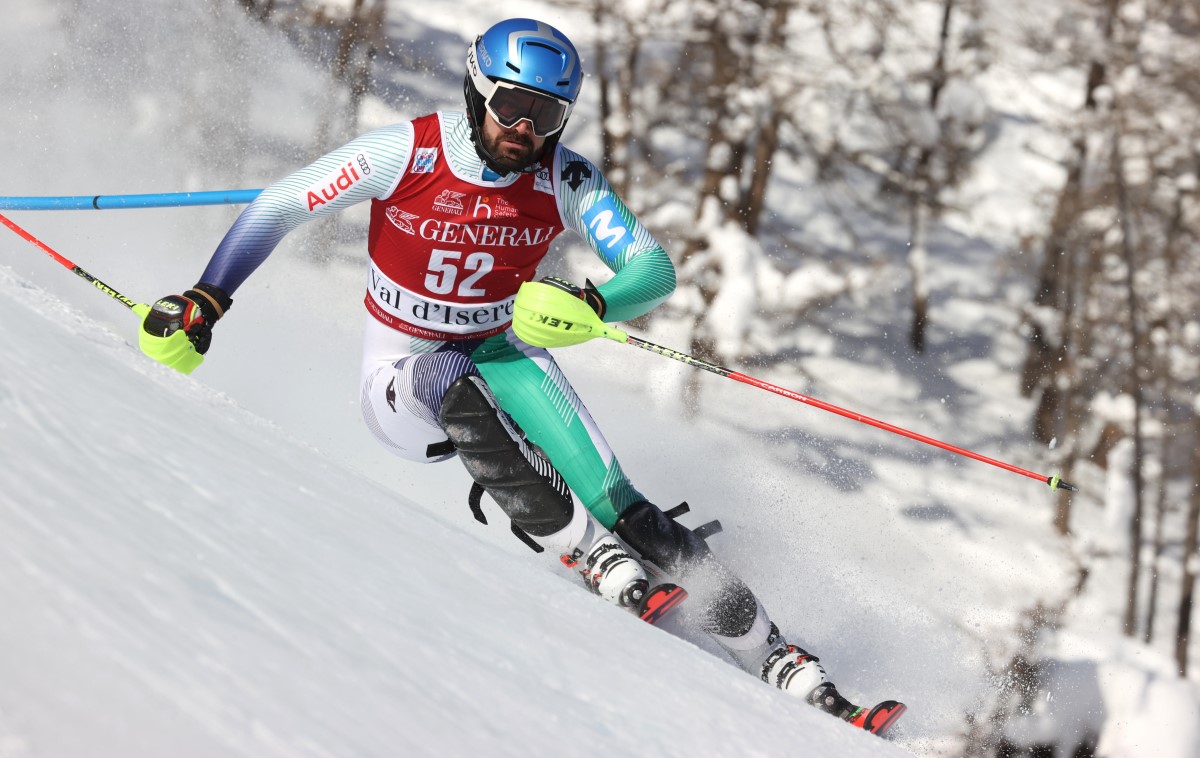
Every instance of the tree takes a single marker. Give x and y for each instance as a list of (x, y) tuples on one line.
[(867, 95), (913, 116), (1116, 306)]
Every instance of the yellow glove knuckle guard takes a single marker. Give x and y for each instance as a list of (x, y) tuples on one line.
[(175, 350), (546, 316)]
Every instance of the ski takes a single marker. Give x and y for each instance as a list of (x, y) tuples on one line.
[(660, 601), (879, 719)]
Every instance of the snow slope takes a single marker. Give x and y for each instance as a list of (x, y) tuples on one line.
[(228, 562), (181, 578)]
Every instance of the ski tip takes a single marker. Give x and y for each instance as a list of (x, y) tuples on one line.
[(660, 601), (883, 717)]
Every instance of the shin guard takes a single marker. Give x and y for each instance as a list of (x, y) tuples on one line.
[(513, 471)]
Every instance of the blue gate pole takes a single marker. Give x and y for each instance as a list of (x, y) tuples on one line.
[(111, 202)]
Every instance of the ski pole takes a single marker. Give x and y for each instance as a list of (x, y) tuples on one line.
[(574, 322), (1054, 481), (108, 202), (69, 265)]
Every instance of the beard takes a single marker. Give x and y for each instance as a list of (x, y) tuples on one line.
[(512, 151)]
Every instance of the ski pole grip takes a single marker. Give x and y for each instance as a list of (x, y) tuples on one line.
[(547, 316)]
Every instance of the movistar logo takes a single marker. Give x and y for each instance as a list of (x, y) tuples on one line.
[(609, 234), (603, 231)]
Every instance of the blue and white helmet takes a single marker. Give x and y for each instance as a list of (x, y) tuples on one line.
[(522, 70)]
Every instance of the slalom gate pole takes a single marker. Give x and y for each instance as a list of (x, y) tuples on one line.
[(548, 316), (110, 202), (68, 264), (1054, 481)]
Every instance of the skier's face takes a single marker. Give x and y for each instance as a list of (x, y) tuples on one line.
[(515, 148)]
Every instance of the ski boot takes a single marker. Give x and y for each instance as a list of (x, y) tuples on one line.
[(799, 673), (612, 573)]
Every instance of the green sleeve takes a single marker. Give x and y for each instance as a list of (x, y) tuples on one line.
[(643, 275)]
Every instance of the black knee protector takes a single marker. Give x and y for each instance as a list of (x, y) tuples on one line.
[(730, 608), (513, 471)]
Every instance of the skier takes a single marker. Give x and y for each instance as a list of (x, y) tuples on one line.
[(464, 206)]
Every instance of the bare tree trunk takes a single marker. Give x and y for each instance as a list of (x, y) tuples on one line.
[(760, 173), (1040, 361), (736, 173), (921, 190), (1174, 387), (722, 162), (608, 147), (626, 88), (1160, 515), (1191, 560), (918, 257), (617, 56), (1066, 396), (1063, 289), (1165, 388), (1124, 209), (1044, 357), (768, 137)]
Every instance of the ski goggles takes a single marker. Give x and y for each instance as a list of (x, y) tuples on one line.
[(511, 104)]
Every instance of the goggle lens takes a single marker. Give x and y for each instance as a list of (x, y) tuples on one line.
[(510, 105)]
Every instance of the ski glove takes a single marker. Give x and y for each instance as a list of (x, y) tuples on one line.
[(587, 293), (177, 329)]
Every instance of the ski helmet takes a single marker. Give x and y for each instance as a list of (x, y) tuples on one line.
[(521, 70)]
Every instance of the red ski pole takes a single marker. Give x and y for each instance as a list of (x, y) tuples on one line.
[(68, 264), (548, 316), (1054, 481)]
